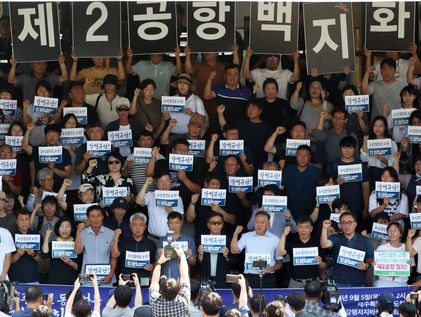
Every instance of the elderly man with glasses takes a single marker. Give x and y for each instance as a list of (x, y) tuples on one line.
[(352, 252)]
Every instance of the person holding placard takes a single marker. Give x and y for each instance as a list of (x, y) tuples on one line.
[(362, 117), (260, 246), (215, 266), (25, 260), (76, 104), (11, 184), (305, 254), (378, 131), (395, 233), (397, 209), (356, 244), (112, 178), (45, 216), (62, 167), (6, 93), (158, 214), (146, 109), (136, 253), (45, 177), (63, 268)]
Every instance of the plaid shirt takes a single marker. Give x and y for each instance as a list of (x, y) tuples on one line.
[(179, 307), (316, 310)]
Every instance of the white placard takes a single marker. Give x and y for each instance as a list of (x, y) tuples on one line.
[(379, 147), (351, 173), (350, 257), (293, 144), (166, 198), (269, 177)]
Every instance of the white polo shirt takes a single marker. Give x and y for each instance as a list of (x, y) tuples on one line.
[(7, 245)]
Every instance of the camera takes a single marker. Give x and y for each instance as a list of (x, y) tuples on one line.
[(330, 296), (206, 287), (44, 298), (169, 251)]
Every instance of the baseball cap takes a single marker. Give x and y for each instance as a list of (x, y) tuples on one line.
[(123, 103), (385, 299), (119, 203), (84, 187)]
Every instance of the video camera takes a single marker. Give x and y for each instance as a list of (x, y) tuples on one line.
[(330, 296)]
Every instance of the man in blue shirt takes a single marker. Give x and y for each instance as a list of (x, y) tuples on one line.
[(345, 275), (33, 298), (300, 183)]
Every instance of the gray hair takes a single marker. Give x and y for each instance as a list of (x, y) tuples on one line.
[(43, 173), (271, 164), (139, 215)]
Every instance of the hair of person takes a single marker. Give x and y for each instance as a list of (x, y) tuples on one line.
[(233, 312), (211, 303), (116, 155), (348, 213), (237, 159), (75, 83), (174, 215), (314, 80), (340, 110), (371, 134), (313, 289), (169, 288), (236, 288), (162, 173), (299, 123), (296, 301), (270, 81), (138, 215), (194, 289), (389, 62), (232, 66), (323, 179), (95, 207), (22, 211), (392, 173), (67, 118), (348, 141), (271, 165), (351, 87), (407, 309), (45, 84), (19, 123), (146, 82), (415, 114), (214, 214), (94, 124), (306, 219), (255, 103), (49, 199), (338, 204), (397, 225), (262, 213), (33, 293), (230, 127), (304, 147), (272, 188), (41, 311), (81, 308), (43, 173), (410, 89), (211, 176), (178, 141), (274, 309), (52, 128), (123, 295), (381, 215), (258, 303), (145, 133), (335, 226), (60, 222)]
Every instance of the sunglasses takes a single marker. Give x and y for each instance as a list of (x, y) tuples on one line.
[(272, 58), (216, 223), (113, 162), (122, 109)]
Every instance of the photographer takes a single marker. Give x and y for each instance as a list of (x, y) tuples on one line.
[(118, 304), (385, 305), (210, 304), (167, 297), (313, 293), (82, 308)]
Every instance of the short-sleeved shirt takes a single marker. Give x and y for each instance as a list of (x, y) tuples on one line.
[(28, 82), (345, 274), (196, 105), (179, 307), (94, 77), (234, 100), (117, 312), (417, 246), (97, 247), (394, 207), (107, 111), (255, 244), (282, 77), (7, 244), (161, 75), (383, 92)]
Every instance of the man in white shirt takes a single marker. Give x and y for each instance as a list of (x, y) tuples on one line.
[(7, 246), (258, 245)]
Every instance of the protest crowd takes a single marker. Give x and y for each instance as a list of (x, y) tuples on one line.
[(189, 172)]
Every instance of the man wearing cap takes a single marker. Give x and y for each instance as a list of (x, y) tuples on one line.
[(272, 70), (118, 219), (124, 123), (7, 221), (138, 245), (194, 105), (106, 103), (154, 68), (385, 305)]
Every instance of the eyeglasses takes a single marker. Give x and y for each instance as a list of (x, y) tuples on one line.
[(113, 162), (122, 109), (347, 223), (216, 223)]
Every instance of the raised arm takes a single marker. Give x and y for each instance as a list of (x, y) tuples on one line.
[(71, 299), (364, 83), (221, 118), (297, 70), (129, 68), (270, 142), (211, 146), (208, 93), (281, 244), (120, 68), (78, 241), (25, 142), (74, 75), (191, 210), (64, 75), (115, 252), (325, 243), (97, 295), (11, 77), (150, 168), (234, 248), (178, 63), (133, 104), (408, 245), (188, 66), (247, 74), (140, 198), (184, 267)]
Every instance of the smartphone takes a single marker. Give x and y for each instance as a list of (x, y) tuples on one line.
[(44, 298), (126, 277), (232, 278), (413, 295)]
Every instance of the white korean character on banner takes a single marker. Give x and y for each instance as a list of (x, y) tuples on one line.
[(384, 15), (205, 14), (282, 22), (325, 38), (153, 21), (44, 21)]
